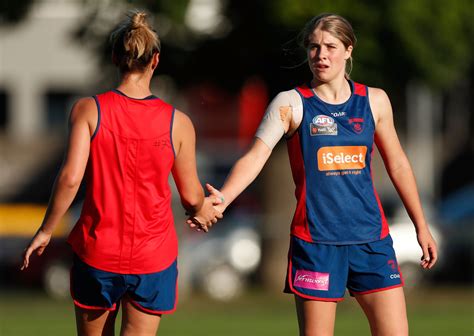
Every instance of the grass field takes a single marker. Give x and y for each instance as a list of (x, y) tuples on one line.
[(440, 311)]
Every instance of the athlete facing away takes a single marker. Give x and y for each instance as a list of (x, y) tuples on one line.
[(126, 141)]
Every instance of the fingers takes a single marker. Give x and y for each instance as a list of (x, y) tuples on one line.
[(217, 200), (433, 256), (212, 190), (425, 258), (219, 197), (196, 223), (430, 256), (26, 258)]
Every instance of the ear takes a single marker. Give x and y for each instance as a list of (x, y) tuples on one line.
[(348, 52), (155, 60)]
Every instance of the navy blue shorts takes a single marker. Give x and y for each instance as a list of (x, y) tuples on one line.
[(322, 272), (154, 293)]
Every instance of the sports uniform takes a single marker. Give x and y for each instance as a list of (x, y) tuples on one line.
[(125, 237), (339, 233)]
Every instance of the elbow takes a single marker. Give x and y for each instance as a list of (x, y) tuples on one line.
[(193, 201), (400, 171), (70, 181)]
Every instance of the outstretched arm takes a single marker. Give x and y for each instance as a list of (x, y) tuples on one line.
[(282, 116), (244, 172), (401, 173), (83, 121), (185, 173)]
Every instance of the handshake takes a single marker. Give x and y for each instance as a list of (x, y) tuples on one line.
[(210, 212)]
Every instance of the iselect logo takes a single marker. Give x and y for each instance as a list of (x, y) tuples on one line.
[(341, 157)]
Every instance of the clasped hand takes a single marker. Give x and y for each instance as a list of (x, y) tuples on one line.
[(210, 212)]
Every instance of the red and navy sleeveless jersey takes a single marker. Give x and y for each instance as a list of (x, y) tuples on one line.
[(330, 156), (126, 225)]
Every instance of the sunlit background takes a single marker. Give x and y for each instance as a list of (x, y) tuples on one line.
[(222, 61)]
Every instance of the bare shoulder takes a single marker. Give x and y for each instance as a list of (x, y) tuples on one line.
[(84, 109), (379, 103), (378, 96), (181, 119)]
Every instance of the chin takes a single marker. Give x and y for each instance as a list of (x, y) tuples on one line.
[(324, 78)]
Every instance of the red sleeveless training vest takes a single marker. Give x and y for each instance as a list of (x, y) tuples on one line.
[(126, 225)]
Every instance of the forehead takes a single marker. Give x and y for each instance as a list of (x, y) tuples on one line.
[(322, 36)]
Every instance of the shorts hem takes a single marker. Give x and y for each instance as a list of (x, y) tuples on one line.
[(84, 306), (77, 303), (151, 311), (375, 290), (313, 298)]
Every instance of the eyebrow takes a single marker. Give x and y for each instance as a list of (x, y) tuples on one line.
[(318, 44)]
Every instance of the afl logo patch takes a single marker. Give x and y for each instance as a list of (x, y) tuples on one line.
[(357, 124), (323, 125)]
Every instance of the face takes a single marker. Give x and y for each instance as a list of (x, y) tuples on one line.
[(327, 56)]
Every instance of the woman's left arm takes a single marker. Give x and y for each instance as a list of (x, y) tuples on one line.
[(400, 172)]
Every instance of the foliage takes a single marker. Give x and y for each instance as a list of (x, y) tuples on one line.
[(426, 40)]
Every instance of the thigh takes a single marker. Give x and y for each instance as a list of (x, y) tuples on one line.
[(137, 322), (386, 311), (315, 318), (92, 322)]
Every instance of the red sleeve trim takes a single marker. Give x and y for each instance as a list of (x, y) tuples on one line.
[(305, 91), (360, 89)]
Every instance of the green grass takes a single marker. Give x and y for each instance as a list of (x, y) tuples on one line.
[(431, 312)]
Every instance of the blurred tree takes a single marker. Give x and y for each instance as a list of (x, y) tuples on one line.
[(427, 40), (13, 11)]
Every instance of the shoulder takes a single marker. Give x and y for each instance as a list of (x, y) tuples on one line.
[(84, 108), (379, 103), (378, 97), (182, 121), (287, 98), (181, 117)]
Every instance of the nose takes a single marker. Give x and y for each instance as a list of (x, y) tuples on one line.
[(321, 53)]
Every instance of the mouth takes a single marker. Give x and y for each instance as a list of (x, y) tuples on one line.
[(320, 66)]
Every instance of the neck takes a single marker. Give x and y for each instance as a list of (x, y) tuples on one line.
[(334, 92), (136, 84)]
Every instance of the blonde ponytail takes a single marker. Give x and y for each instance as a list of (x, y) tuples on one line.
[(134, 42)]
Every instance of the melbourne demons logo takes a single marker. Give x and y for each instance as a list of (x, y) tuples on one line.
[(357, 124), (392, 263)]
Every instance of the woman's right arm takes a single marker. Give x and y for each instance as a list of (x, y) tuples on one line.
[(185, 173), (278, 120), (244, 172), (83, 122)]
